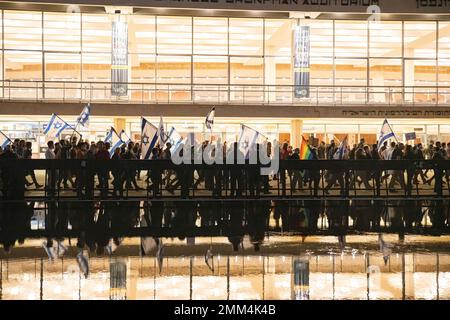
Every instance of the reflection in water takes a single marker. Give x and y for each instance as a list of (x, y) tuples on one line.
[(279, 271)]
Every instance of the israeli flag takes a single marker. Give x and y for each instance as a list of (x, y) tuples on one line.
[(83, 118), (4, 140), (124, 137), (174, 138), (55, 126), (209, 259), (50, 251), (114, 140), (385, 248), (160, 255), (248, 137), (341, 151), (149, 138), (210, 118), (83, 264), (162, 137), (386, 133)]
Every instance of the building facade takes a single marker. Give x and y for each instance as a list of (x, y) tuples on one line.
[(361, 62)]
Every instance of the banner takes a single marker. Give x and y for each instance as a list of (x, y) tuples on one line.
[(301, 61), (300, 281), (118, 280), (119, 57)]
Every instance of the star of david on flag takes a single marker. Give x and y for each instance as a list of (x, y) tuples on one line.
[(83, 118), (55, 126), (149, 138)]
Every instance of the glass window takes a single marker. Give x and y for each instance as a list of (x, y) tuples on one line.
[(321, 38), (351, 38), (23, 65), (385, 38), (351, 72), (444, 40), (246, 70), (62, 31), (23, 29), (62, 67), (420, 72), (174, 35), (173, 69), (97, 67), (277, 39), (97, 32), (385, 72), (141, 34), (246, 37), (143, 68), (211, 36), (211, 69), (321, 71), (444, 73), (420, 39)]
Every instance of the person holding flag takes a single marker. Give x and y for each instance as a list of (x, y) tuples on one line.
[(248, 137), (336, 175), (386, 134)]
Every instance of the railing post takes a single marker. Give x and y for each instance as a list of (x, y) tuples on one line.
[(142, 93), (64, 91)]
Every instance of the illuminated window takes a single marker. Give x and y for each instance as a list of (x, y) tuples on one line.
[(97, 32), (385, 39), (174, 35), (23, 30), (420, 40), (211, 36), (62, 31), (351, 38), (246, 37), (141, 34)]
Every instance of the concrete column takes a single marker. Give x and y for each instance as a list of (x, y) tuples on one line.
[(296, 132), (119, 124)]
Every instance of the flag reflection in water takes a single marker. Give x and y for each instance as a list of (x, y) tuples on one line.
[(300, 279)]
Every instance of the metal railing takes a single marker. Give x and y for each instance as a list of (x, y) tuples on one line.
[(168, 93)]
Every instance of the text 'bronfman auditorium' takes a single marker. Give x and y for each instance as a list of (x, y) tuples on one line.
[(322, 68)]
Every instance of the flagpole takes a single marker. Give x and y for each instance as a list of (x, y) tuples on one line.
[(74, 129)]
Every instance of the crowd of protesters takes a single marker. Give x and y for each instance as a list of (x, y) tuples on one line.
[(98, 218)]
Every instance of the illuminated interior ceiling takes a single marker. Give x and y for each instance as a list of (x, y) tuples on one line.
[(62, 32)]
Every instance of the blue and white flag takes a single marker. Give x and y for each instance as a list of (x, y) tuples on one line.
[(114, 140), (55, 126), (209, 259), (386, 133), (174, 139), (83, 118), (124, 137), (160, 255), (248, 138), (162, 137), (342, 150), (4, 140), (83, 264), (209, 121), (149, 138)]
